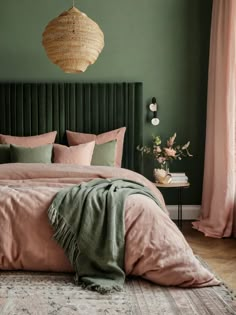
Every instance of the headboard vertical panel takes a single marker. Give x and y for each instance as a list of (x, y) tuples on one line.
[(87, 109), (34, 108), (27, 121), (42, 113), (55, 111), (79, 108), (49, 107), (20, 110), (103, 118), (110, 112)]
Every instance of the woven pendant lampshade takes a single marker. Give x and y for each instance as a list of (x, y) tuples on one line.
[(73, 41)]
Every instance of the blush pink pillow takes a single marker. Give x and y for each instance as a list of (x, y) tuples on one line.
[(74, 138), (31, 141), (79, 154)]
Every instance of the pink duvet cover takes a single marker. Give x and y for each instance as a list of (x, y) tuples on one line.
[(155, 248)]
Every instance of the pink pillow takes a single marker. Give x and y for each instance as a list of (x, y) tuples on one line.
[(31, 141), (80, 154), (74, 138)]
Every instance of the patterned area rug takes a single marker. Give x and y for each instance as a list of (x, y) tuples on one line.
[(28, 293)]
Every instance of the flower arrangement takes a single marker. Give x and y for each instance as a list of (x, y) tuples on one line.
[(167, 153)]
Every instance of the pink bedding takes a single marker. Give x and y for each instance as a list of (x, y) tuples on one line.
[(155, 248)]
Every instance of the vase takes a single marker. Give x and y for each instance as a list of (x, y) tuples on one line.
[(165, 166), (161, 176)]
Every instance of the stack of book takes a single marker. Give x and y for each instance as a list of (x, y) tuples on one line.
[(179, 178)]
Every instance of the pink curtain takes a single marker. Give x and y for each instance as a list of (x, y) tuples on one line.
[(218, 216)]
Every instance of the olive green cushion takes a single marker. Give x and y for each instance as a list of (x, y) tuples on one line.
[(41, 154), (5, 153), (104, 154)]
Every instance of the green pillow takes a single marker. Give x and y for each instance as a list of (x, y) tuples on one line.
[(104, 154), (41, 154), (5, 153)]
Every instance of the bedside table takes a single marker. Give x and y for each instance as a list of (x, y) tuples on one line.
[(180, 187)]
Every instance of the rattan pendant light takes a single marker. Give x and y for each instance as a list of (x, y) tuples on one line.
[(73, 41)]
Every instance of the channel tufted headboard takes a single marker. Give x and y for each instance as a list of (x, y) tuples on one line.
[(34, 108)]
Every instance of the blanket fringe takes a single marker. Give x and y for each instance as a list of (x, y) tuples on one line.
[(63, 235), (67, 241)]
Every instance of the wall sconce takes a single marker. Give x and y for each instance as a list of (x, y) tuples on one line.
[(153, 107)]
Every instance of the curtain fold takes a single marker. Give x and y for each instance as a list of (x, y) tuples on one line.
[(218, 215)]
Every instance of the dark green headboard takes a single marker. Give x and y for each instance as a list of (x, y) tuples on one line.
[(34, 108)]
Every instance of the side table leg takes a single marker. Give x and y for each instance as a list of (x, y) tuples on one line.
[(180, 208)]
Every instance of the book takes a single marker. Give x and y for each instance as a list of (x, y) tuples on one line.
[(178, 181), (178, 174), (179, 178)]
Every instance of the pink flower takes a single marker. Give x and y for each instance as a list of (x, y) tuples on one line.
[(161, 159), (170, 152), (171, 141), (184, 147)]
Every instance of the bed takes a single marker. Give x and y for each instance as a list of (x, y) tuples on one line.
[(155, 249)]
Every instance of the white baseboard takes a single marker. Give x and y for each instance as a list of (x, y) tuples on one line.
[(190, 212)]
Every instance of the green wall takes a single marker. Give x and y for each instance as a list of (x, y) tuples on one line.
[(163, 43)]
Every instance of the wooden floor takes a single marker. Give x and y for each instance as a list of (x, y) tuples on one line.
[(220, 254)]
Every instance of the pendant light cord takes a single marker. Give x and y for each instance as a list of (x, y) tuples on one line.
[(73, 3)]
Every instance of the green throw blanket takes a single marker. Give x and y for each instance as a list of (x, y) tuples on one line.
[(88, 220)]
